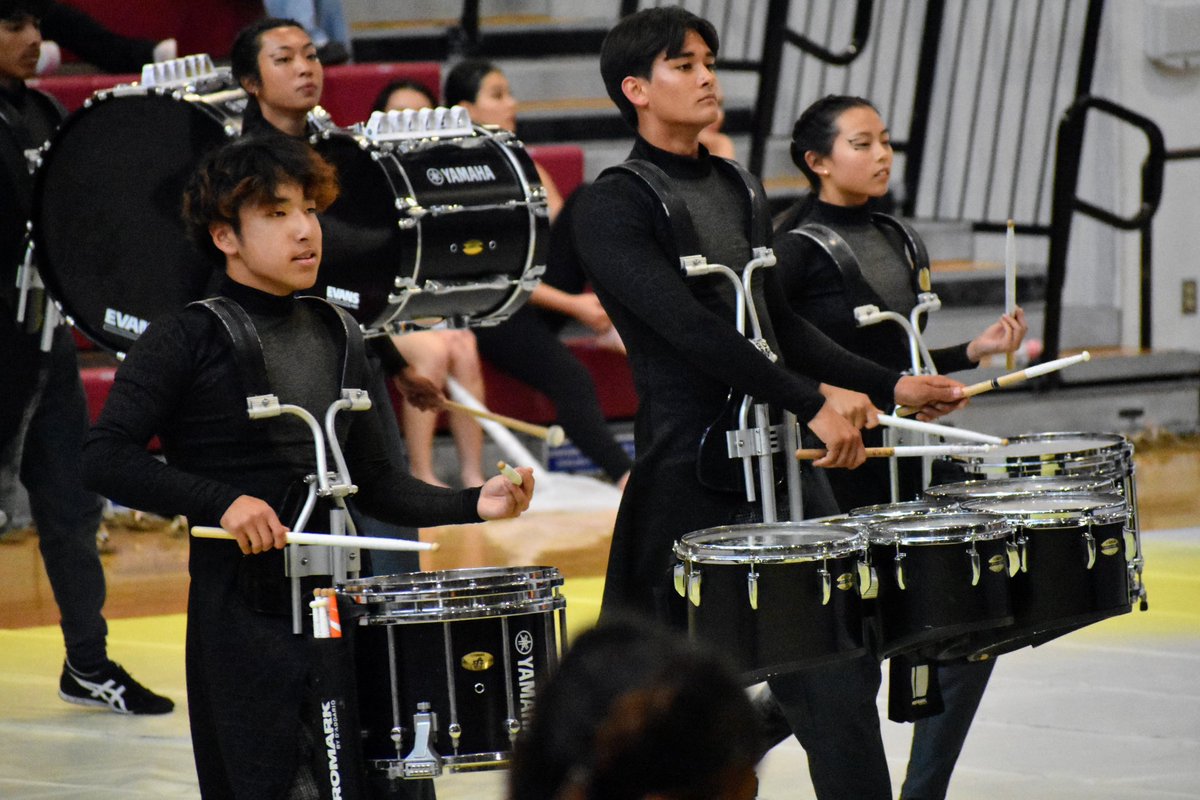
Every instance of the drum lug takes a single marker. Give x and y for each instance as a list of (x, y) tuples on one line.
[(752, 588), (1014, 558), (512, 727), (423, 761), (680, 576), (975, 570), (1130, 545), (826, 585), (693, 587), (868, 582), (899, 567), (1090, 543), (1023, 545)]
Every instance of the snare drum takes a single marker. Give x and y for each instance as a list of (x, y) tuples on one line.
[(427, 230), (108, 236), (450, 663), (778, 596), (940, 576), (1073, 551)]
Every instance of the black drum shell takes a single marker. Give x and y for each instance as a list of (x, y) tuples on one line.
[(1058, 594), (110, 243), (791, 628), (939, 602), (481, 695), (476, 253)]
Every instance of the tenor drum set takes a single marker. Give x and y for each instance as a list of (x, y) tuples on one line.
[(1039, 538)]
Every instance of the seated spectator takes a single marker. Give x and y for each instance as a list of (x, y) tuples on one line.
[(437, 354), (527, 345), (635, 713)]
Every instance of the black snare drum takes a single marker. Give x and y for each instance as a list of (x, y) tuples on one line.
[(1073, 571), (431, 229), (940, 576), (450, 664), (108, 236), (777, 596)]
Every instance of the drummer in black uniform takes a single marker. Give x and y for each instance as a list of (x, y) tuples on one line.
[(686, 353)]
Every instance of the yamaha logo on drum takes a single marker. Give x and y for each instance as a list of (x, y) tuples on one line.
[(481, 173), (524, 643), (123, 324), (342, 297)]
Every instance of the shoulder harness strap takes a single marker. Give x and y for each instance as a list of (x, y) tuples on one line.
[(247, 347), (683, 231), (918, 256), (759, 233)]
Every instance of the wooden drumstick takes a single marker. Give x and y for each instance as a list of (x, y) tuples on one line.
[(1013, 378), (903, 451), (553, 435), (325, 539)]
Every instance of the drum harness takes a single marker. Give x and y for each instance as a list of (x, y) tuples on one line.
[(762, 441), (334, 486)]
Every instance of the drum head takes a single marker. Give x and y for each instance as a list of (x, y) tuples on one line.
[(109, 240), (908, 508), (766, 543), (939, 528), (1055, 509), (950, 493)]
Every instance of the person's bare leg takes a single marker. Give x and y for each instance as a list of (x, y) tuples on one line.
[(468, 435), (428, 354)]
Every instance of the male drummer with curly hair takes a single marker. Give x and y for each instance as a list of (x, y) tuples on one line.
[(254, 204), (43, 411)]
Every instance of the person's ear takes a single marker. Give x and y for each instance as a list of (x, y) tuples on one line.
[(251, 85), (224, 238), (816, 162), (635, 91)]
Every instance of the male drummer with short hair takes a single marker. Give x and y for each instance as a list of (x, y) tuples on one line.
[(255, 203), (687, 354), (43, 410)]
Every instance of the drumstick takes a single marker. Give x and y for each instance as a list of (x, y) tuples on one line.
[(1012, 378), (1010, 281), (939, 430), (903, 451), (513, 476), (326, 539), (553, 435)]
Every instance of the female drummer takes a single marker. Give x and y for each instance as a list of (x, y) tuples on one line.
[(844, 150), (276, 62), (542, 360)]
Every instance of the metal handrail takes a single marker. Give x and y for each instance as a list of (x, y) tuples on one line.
[(1066, 202)]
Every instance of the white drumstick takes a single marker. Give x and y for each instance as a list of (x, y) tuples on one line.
[(905, 451), (326, 540), (939, 430), (1010, 281)]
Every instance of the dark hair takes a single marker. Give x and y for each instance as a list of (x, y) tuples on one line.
[(385, 94), (243, 56), (248, 171), (12, 10), (633, 44), (636, 710), (817, 128), (463, 82)]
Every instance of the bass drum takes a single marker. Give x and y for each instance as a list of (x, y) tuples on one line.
[(109, 240), (449, 229)]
